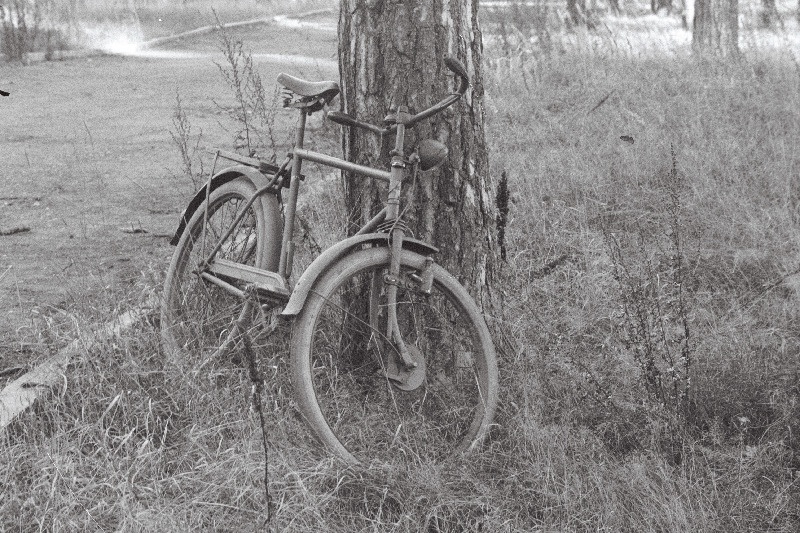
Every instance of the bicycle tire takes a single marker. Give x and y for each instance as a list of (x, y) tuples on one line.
[(197, 316), (362, 416)]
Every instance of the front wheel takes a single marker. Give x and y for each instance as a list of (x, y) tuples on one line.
[(340, 356)]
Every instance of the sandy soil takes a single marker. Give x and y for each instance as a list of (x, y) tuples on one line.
[(88, 165)]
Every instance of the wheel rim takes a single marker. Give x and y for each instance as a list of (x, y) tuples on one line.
[(198, 314), (370, 416)]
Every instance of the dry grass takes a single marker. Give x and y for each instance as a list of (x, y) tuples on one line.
[(597, 225), (629, 265)]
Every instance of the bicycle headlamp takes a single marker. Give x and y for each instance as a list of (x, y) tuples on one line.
[(431, 154)]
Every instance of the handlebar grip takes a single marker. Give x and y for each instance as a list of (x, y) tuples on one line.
[(456, 67), (342, 118)]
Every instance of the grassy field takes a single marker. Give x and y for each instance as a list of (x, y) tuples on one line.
[(650, 347)]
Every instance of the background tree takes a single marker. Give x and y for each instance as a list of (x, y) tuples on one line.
[(391, 53), (576, 8), (579, 14), (768, 16), (716, 27), (658, 5)]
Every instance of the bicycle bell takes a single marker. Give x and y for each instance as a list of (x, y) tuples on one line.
[(431, 154)]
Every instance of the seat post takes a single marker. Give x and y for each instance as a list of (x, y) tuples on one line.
[(287, 248)]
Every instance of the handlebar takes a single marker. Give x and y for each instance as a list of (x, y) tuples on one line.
[(346, 120), (458, 69), (452, 64)]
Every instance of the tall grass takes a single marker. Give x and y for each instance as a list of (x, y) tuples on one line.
[(657, 195), (652, 216)]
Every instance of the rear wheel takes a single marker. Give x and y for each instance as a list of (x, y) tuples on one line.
[(197, 316), (340, 357)]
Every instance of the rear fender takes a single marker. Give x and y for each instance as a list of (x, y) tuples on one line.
[(258, 180), (332, 255)]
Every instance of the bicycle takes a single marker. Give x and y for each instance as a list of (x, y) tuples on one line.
[(390, 357)]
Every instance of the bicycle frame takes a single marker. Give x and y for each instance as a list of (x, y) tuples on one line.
[(391, 212), (298, 154)]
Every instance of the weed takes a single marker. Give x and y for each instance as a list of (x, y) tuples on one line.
[(654, 311), (501, 201), (188, 145), (254, 111)]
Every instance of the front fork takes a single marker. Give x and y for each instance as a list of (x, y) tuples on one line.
[(405, 364), (392, 280)]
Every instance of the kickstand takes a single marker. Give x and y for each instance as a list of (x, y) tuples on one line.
[(240, 325)]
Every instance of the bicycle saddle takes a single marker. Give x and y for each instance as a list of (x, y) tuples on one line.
[(323, 91)]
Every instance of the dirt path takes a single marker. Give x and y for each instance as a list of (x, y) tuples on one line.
[(88, 166)]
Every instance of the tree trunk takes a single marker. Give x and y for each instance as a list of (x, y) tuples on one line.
[(716, 28), (658, 5), (577, 11), (687, 13), (768, 15), (390, 54)]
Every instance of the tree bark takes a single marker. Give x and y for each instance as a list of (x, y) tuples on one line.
[(391, 53), (716, 28)]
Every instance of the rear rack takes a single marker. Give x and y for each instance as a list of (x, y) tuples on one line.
[(283, 172)]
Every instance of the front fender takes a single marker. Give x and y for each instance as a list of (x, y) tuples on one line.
[(329, 257), (224, 176)]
